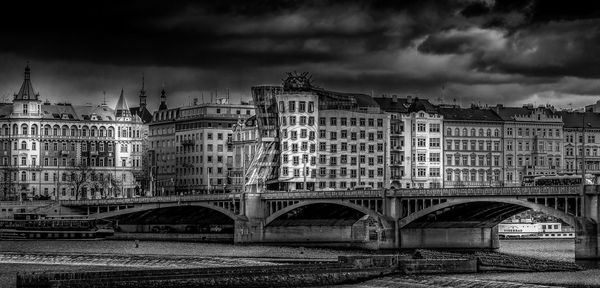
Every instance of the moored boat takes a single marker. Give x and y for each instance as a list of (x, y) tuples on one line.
[(40, 226)]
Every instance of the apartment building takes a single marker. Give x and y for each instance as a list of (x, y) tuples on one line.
[(415, 142), (473, 147), (192, 146), (533, 141), (64, 151)]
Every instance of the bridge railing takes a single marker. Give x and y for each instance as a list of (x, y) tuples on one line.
[(322, 194), (488, 191), (27, 203), (144, 200)]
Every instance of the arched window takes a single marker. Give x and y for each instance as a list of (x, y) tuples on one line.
[(24, 129), (55, 131), (489, 132), (449, 131), (65, 130), (46, 130), (480, 132), (15, 129), (23, 145), (473, 132), (496, 133), (465, 132), (33, 129), (457, 132), (23, 176)]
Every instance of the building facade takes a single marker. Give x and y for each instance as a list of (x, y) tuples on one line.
[(63, 151), (245, 142), (323, 140), (533, 140), (473, 148), (415, 142), (581, 135), (192, 148)]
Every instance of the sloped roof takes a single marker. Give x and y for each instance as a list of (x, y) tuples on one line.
[(26, 92), (405, 105), (577, 120), (469, 114), (399, 105), (508, 113), (122, 108), (143, 113)]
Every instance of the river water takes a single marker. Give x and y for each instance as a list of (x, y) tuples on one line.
[(27, 256)]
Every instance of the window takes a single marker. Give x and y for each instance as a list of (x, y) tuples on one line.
[(333, 121), (434, 157), (421, 127), (434, 142), (421, 142), (292, 106)]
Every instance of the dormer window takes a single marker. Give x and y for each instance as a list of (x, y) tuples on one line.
[(25, 107)]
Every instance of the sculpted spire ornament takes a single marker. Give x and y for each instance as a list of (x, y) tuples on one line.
[(298, 82)]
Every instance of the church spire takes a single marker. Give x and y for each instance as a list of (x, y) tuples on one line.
[(122, 109), (26, 92), (163, 99), (142, 95)]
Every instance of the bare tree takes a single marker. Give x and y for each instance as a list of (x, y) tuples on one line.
[(80, 178)]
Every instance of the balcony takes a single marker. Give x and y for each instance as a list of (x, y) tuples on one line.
[(64, 152), (94, 153), (396, 177), (188, 142)]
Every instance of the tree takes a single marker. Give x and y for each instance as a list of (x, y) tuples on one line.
[(80, 178)]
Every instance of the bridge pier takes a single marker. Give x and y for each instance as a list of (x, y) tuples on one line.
[(450, 238), (587, 227), (252, 229)]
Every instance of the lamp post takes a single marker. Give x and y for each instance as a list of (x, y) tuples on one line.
[(583, 160)]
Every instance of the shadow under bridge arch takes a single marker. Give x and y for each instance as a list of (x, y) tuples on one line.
[(176, 210), (474, 212), (327, 212)]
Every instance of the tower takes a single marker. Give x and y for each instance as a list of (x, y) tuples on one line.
[(163, 100), (142, 96), (26, 103), (122, 109)]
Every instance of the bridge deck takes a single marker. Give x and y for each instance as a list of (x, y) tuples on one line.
[(350, 194)]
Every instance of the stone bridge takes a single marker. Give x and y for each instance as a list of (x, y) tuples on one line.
[(404, 218)]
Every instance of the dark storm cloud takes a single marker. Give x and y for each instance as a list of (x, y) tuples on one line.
[(481, 49)]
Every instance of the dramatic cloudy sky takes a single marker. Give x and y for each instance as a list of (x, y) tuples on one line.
[(481, 51)]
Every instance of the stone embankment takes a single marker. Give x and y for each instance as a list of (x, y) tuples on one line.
[(141, 261), (273, 276), (347, 269), (490, 261)]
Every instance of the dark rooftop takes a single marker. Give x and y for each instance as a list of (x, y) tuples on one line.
[(469, 114)]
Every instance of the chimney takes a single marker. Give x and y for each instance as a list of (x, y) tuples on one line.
[(394, 98)]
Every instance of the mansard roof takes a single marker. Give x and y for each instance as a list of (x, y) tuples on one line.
[(469, 114), (577, 120), (405, 105)]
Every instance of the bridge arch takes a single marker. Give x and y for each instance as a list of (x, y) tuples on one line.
[(569, 219), (148, 207), (385, 220)]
